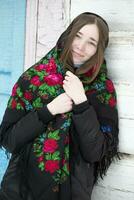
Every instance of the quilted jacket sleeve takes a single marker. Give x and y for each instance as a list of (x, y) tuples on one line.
[(20, 126), (97, 130)]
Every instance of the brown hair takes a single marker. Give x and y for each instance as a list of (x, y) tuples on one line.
[(67, 37)]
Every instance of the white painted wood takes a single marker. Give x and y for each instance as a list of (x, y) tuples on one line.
[(125, 99), (120, 59), (67, 11), (31, 33), (125, 93), (119, 14), (52, 19), (119, 182), (126, 110), (108, 193), (126, 136)]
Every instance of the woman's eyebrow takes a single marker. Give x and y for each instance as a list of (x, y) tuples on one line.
[(93, 39), (89, 37)]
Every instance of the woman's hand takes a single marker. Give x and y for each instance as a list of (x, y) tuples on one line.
[(61, 104), (74, 88)]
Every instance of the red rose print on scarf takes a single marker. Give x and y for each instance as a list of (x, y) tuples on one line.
[(14, 89), (40, 67), (28, 95), (51, 66), (109, 86), (51, 166), (50, 145), (40, 159), (112, 102), (54, 79), (14, 104), (36, 81)]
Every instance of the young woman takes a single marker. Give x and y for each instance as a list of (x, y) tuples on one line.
[(61, 121)]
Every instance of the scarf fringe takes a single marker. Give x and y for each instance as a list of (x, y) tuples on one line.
[(101, 167)]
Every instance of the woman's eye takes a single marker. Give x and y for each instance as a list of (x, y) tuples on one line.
[(78, 36), (92, 44)]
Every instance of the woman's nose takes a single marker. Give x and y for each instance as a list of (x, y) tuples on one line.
[(81, 45)]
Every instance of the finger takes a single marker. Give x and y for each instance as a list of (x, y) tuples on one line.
[(70, 103), (68, 73), (71, 76), (67, 83), (65, 87), (68, 78), (64, 94)]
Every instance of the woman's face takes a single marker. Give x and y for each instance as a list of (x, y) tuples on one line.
[(85, 43)]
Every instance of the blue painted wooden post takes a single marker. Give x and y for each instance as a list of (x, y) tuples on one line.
[(12, 38)]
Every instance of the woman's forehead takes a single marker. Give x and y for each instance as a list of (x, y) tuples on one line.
[(90, 30)]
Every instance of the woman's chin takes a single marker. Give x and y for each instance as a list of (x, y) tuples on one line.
[(77, 62)]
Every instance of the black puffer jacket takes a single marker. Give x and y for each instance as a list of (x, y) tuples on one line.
[(88, 146)]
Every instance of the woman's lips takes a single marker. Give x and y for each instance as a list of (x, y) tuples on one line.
[(77, 54)]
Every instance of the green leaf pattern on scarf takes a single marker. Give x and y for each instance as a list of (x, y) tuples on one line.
[(45, 81)]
